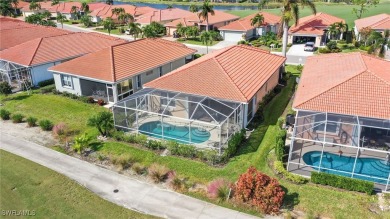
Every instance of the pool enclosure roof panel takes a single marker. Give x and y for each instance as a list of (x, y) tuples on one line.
[(166, 103)]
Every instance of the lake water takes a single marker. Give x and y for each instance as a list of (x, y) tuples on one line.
[(186, 7)]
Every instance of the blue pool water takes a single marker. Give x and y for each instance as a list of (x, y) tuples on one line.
[(371, 167), (173, 132)]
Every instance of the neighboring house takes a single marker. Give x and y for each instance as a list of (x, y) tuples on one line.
[(14, 32), (163, 16), (379, 23), (172, 26), (29, 61), (116, 72), (204, 102), (216, 21), (45, 6), (19, 6), (312, 28), (242, 29), (65, 9), (342, 124), (104, 12)]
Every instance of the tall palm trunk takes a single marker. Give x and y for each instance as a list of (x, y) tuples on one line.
[(285, 40), (207, 24)]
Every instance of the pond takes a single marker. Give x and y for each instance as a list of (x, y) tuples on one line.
[(186, 7)]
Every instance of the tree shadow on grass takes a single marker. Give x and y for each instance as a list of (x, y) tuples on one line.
[(17, 97), (96, 146), (290, 199)]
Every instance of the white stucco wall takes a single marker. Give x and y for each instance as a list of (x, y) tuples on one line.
[(75, 89), (176, 64), (40, 73)]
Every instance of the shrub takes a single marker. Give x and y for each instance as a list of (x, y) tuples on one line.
[(280, 122), (279, 169), (139, 168), (141, 139), (17, 118), (234, 143), (66, 94), (46, 83), (101, 102), (219, 189), (123, 161), (103, 121), (342, 182), (4, 114), (5, 88), (46, 125), (324, 50), (59, 129), (300, 67), (154, 145), (280, 142), (157, 172), (31, 121), (331, 45), (176, 183), (47, 89), (130, 138), (184, 150), (197, 56), (56, 92), (86, 99), (209, 155), (81, 143), (342, 42), (260, 190)]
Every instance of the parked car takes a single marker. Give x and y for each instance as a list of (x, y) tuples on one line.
[(127, 32), (309, 46)]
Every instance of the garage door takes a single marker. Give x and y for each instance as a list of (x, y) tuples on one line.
[(232, 36)]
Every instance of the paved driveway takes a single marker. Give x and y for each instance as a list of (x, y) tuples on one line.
[(133, 194), (296, 55)]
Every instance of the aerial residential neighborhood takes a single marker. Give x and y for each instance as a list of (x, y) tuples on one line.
[(195, 109)]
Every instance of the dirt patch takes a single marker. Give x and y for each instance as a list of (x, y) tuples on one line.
[(34, 134)]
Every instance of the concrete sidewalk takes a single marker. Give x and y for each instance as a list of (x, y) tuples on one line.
[(133, 194)]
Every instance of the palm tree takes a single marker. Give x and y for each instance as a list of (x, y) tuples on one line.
[(169, 7), (342, 27), (61, 18), (109, 2), (74, 10), (206, 38), (205, 10), (84, 7), (55, 2), (290, 11), (333, 31), (108, 24), (378, 42), (126, 18), (118, 12), (6, 8), (15, 3), (257, 21), (34, 6), (135, 29), (181, 30), (194, 8)]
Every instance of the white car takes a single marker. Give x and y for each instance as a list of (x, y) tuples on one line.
[(127, 32), (309, 46)]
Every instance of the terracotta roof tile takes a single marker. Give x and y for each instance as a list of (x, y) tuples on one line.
[(26, 32), (218, 17), (7, 23), (185, 22), (235, 73), (49, 49), (380, 21), (125, 60), (106, 11), (244, 24), (163, 15), (314, 24), (352, 84)]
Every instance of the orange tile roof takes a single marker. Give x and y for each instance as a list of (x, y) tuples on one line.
[(45, 5), (125, 60), (21, 4), (106, 11), (96, 5), (314, 24), (244, 24), (163, 15), (12, 37), (351, 84), (380, 21), (7, 23), (218, 17), (234, 73), (185, 22), (65, 7), (50, 49)]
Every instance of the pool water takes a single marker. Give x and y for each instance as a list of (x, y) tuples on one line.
[(371, 167), (173, 132)]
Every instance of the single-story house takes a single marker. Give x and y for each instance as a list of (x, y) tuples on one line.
[(203, 102), (116, 72), (242, 29), (163, 16), (343, 117), (312, 28), (65, 9), (14, 32), (29, 61), (216, 21), (19, 6), (379, 23), (101, 13), (45, 6)]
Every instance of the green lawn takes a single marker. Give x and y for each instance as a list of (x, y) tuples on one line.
[(26, 185), (114, 31), (196, 41), (342, 11), (52, 107)]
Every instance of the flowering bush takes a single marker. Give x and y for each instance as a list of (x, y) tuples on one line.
[(260, 190), (219, 189), (59, 129)]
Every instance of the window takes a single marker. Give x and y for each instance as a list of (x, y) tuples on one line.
[(250, 109), (66, 80), (139, 82), (160, 71), (125, 88)]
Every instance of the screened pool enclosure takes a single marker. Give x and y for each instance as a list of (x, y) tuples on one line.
[(203, 121), (351, 146)]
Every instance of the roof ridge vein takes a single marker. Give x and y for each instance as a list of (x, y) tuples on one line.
[(112, 63), (35, 52)]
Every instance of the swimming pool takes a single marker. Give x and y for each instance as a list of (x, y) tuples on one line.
[(371, 167), (173, 132)]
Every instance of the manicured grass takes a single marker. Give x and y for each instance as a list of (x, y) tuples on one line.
[(26, 185), (114, 31), (52, 107), (339, 10), (196, 41), (293, 70)]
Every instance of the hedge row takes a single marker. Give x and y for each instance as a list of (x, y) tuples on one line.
[(279, 169), (46, 83), (342, 182), (280, 142)]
